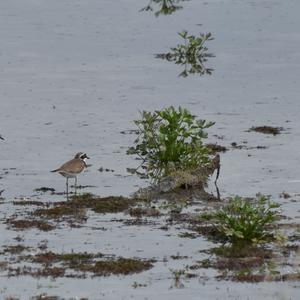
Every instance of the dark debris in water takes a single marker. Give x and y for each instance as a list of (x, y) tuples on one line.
[(285, 195), (45, 189), (235, 145), (80, 187), (46, 297), (215, 148), (267, 129), (30, 203), (189, 235), (101, 169)]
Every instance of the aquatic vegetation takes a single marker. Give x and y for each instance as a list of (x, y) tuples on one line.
[(77, 203), (240, 262), (139, 212), (18, 224), (245, 220), (74, 212), (97, 264), (29, 203), (121, 265), (14, 249), (174, 207), (192, 54), (177, 278), (170, 140), (165, 7)]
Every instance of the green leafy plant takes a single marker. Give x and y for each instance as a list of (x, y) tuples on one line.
[(192, 54), (170, 140), (166, 7), (243, 220)]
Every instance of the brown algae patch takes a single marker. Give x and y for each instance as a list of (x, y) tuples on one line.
[(76, 207), (15, 249), (117, 266), (141, 211), (60, 265), (28, 224), (71, 260), (55, 212), (111, 204), (235, 261), (74, 211), (29, 203), (267, 129)]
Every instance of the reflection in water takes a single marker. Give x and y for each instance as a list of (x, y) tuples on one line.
[(192, 54), (165, 7)]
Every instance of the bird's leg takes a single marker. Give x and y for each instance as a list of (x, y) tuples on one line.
[(75, 185), (218, 192), (67, 187), (218, 174)]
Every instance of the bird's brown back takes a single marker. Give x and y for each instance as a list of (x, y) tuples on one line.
[(74, 165)]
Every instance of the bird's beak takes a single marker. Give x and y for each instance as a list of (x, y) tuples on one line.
[(87, 157)]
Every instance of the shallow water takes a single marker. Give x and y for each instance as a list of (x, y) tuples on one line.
[(75, 74)]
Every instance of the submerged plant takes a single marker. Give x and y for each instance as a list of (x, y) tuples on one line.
[(177, 278), (165, 7), (170, 140), (243, 220), (192, 54)]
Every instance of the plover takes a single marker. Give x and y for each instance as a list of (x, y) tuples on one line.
[(72, 168)]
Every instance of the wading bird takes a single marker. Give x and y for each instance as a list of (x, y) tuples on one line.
[(72, 168)]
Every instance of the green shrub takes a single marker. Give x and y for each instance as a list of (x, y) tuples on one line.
[(245, 220), (170, 140)]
